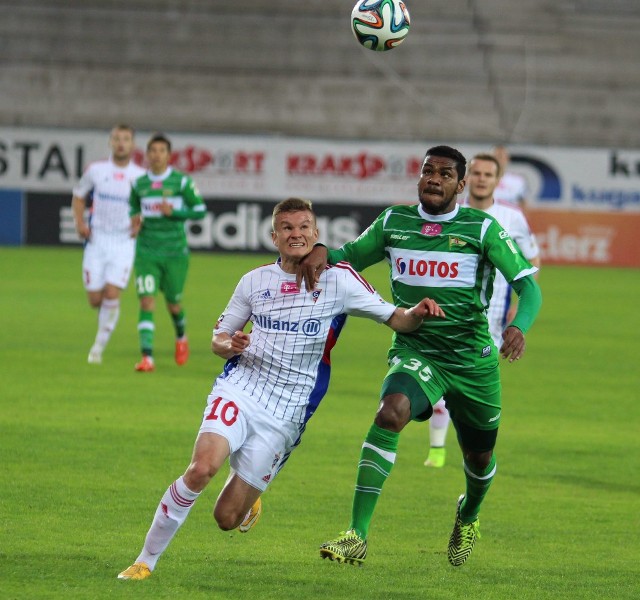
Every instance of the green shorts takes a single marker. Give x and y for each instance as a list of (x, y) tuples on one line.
[(167, 274), (472, 397)]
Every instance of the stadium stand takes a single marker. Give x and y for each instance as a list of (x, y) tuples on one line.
[(561, 72)]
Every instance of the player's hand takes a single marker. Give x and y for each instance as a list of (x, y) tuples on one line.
[(310, 268), (84, 231), (239, 342), (166, 208), (513, 344), (426, 309)]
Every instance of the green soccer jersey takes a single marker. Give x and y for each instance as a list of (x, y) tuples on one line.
[(161, 235), (451, 258)]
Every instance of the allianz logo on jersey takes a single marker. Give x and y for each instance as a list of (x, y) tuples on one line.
[(433, 269), (309, 327)]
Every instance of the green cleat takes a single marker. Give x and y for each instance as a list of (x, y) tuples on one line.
[(463, 538), (348, 547), (436, 458)]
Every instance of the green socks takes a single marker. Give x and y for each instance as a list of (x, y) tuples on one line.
[(179, 323), (376, 459), (478, 482), (146, 329)]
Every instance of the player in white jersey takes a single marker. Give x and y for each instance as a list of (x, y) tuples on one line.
[(482, 178), (512, 187), (274, 378), (109, 245)]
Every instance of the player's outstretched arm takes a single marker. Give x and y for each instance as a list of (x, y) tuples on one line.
[(311, 266), (227, 346), (405, 320)]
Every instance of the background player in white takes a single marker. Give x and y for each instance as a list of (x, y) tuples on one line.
[(109, 245), (512, 187), (274, 378), (482, 178)]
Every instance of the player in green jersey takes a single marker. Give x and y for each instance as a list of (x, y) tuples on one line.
[(449, 253), (161, 201)]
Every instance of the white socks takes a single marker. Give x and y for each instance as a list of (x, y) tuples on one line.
[(438, 424), (107, 318), (170, 514)]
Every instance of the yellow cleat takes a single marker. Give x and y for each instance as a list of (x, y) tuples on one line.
[(252, 517), (437, 457), (137, 570), (348, 548)]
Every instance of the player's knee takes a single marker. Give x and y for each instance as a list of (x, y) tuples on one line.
[(394, 412), (478, 460), (198, 475)]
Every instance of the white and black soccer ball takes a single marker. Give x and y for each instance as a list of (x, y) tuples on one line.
[(380, 24)]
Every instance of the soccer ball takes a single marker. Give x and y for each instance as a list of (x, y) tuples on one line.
[(380, 24)]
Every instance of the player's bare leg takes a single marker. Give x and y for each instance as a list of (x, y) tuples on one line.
[(238, 505)]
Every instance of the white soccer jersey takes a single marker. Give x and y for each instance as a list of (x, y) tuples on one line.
[(512, 187), (514, 222), (111, 187), (286, 367)]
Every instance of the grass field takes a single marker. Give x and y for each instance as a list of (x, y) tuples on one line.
[(87, 451)]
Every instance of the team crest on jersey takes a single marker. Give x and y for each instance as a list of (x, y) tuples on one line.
[(431, 229), (486, 351), (315, 295), (276, 460), (454, 240), (289, 287)]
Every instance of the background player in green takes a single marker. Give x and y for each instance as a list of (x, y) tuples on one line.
[(161, 201), (449, 253)]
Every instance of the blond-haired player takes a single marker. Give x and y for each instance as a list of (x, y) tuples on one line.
[(109, 246)]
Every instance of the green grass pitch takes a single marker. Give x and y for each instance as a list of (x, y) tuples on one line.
[(86, 452)]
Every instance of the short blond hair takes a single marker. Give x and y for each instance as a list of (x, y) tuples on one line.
[(291, 205)]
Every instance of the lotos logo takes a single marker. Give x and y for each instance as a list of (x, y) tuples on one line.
[(431, 229), (431, 268), (400, 265)]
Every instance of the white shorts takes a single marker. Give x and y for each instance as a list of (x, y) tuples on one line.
[(108, 258), (260, 443)]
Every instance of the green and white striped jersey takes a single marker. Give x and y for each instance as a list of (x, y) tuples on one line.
[(451, 258), (161, 235)]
